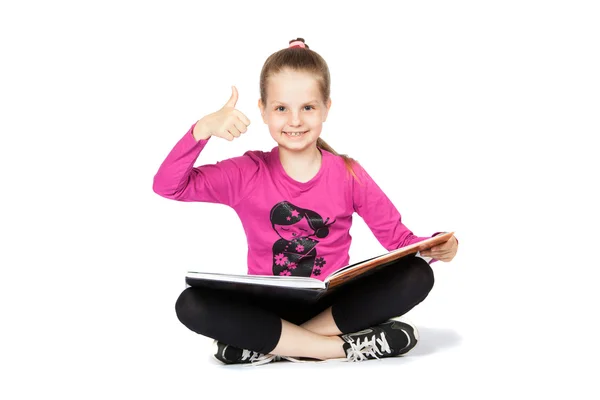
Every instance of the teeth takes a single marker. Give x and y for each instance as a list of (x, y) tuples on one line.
[(294, 133)]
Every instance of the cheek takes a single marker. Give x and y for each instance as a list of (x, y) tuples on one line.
[(315, 118), (276, 122)]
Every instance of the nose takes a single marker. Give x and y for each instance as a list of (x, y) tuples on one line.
[(294, 119)]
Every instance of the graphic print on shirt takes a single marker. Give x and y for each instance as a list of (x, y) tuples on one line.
[(295, 253)]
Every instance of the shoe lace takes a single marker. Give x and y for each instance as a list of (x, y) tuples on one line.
[(359, 351), (259, 358), (256, 358)]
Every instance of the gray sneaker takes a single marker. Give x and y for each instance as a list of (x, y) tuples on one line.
[(391, 339)]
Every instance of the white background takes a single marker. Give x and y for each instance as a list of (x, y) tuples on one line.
[(476, 117)]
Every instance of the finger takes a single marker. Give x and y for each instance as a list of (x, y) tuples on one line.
[(233, 131), (226, 135), (242, 117), (443, 246), (233, 99), (438, 254), (240, 126), (436, 249)]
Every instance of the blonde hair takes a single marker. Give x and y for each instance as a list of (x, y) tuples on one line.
[(305, 60)]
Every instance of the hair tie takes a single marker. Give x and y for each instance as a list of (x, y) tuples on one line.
[(297, 43)]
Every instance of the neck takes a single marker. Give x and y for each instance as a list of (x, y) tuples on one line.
[(301, 165)]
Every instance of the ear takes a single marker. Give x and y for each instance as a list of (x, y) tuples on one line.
[(328, 104), (262, 110)]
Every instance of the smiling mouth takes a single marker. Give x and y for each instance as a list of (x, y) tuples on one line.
[(294, 134)]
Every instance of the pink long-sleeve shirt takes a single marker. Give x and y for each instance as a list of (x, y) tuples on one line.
[(293, 228)]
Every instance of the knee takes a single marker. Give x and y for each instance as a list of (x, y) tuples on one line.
[(421, 276), (190, 309)]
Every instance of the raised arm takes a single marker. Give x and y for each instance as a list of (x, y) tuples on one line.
[(226, 182)]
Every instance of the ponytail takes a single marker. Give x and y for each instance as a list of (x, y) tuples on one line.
[(349, 161)]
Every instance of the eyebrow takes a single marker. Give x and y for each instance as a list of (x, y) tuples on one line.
[(280, 102)]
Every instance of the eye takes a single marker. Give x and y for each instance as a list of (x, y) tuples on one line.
[(278, 108), (284, 229)]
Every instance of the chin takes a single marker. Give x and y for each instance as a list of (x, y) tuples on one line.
[(297, 146)]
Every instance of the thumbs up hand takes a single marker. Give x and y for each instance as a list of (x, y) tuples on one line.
[(227, 123)]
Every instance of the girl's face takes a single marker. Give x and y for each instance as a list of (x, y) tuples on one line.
[(295, 231), (294, 104)]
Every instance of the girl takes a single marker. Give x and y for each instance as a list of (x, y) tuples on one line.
[(296, 203)]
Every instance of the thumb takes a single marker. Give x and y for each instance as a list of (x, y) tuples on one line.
[(233, 99)]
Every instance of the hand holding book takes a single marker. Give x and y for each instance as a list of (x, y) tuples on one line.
[(444, 251)]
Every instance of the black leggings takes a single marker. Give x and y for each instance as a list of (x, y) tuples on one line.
[(255, 325)]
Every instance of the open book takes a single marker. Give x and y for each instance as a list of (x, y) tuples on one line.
[(302, 288)]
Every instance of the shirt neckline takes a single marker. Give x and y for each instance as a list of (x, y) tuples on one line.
[(292, 181)]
